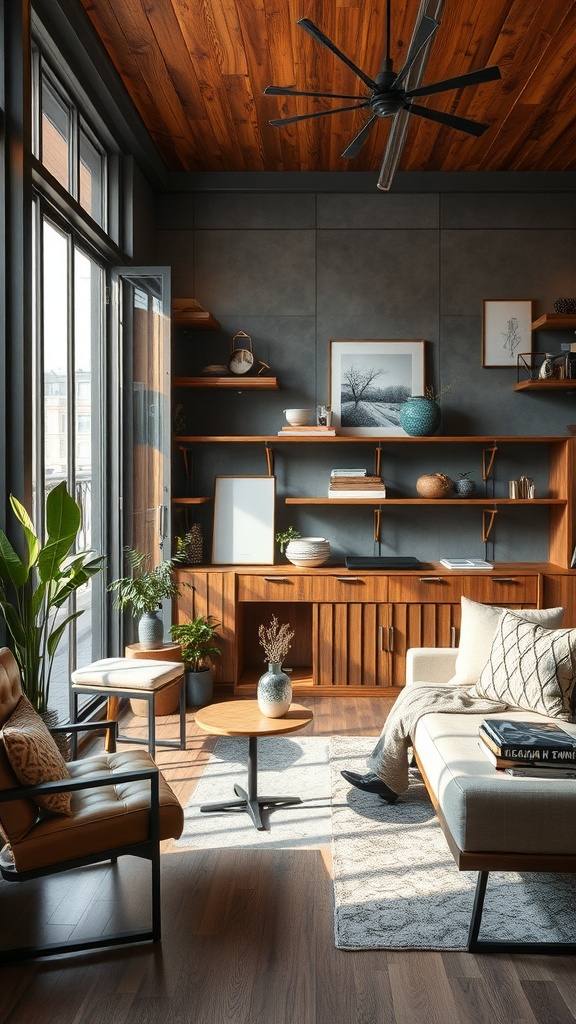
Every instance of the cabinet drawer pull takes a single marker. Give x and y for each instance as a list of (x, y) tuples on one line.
[(277, 579), (503, 579), (453, 636), (431, 579), (349, 579), (390, 630)]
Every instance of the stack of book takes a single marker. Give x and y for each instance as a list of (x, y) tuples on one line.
[(311, 430), (537, 749), (355, 483)]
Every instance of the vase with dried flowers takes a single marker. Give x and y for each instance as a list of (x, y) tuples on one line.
[(274, 690)]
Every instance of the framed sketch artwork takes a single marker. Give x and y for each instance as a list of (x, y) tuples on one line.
[(506, 331), (244, 520), (369, 383)]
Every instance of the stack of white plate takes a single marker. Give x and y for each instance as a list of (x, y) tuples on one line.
[(308, 551)]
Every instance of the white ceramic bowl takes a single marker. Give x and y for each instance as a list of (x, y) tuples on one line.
[(308, 551), (298, 417)]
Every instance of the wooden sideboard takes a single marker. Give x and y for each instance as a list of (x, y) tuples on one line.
[(352, 630)]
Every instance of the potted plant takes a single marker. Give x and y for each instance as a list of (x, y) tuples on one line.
[(143, 591), (34, 589), (197, 640)]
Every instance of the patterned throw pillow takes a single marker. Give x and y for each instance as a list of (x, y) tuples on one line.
[(530, 667), (34, 756), (478, 626)]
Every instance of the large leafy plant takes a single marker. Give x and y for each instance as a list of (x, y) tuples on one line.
[(35, 589)]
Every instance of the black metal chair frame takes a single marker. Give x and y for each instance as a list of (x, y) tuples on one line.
[(148, 849)]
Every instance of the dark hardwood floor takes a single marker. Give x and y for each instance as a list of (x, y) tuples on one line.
[(248, 938)]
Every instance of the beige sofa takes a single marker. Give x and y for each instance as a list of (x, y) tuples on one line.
[(491, 820)]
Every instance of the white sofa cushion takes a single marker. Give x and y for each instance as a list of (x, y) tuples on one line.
[(478, 626), (488, 810)]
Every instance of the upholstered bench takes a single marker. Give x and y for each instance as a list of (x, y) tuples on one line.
[(491, 821), (141, 680)]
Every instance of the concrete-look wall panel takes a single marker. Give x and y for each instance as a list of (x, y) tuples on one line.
[(378, 211), (256, 272), (371, 271), (502, 212), (255, 212), (490, 264)]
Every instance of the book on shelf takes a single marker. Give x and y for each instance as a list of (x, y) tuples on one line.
[(307, 432), (465, 563), (380, 493), (368, 482), (528, 741), (348, 472)]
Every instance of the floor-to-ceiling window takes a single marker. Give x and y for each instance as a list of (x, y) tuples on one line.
[(72, 397)]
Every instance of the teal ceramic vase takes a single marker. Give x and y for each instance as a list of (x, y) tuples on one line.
[(419, 416), (274, 692)]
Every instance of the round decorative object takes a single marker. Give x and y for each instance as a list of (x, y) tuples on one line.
[(565, 306), (435, 485), (298, 417), (242, 359), (308, 551), (419, 416), (150, 631), (274, 691), (464, 487)]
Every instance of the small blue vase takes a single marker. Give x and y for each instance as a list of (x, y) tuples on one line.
[(274, 692), (419, 416)]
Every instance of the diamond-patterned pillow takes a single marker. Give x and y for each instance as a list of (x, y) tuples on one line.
[(530, 667)]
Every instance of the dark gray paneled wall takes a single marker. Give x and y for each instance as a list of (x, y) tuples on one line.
[(295, 270)]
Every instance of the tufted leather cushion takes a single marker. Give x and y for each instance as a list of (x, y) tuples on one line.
[(34, 756), (10, 684), (18, 816), (114, 815)]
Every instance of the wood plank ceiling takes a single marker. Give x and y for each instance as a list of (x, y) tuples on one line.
[(197, 69)]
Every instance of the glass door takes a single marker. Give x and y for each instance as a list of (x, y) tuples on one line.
[(141, 312)]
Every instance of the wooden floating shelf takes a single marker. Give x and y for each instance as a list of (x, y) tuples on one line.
[(188, 313), (546, 385), (343, 439), (190, 501), (482, 502), (231, 383), (555, 322)]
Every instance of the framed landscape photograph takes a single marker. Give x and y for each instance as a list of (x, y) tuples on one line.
[(506, 331), (370, 381), (244, 509)]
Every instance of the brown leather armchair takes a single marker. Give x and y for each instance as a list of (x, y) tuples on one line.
[(113, 804)]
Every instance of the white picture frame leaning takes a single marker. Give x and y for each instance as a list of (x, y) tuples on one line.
[(244, 516), (369, 381), (506, 331)]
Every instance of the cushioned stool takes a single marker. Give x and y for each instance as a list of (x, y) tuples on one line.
[(139, 680)]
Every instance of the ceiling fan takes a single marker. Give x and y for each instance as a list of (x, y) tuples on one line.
[(392, 93)]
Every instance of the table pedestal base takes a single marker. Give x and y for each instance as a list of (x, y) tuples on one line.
[(250, 801)]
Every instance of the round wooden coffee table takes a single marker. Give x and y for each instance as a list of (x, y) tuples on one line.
[(244, 718)]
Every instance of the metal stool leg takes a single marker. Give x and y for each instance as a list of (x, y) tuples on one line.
[(151, 726)]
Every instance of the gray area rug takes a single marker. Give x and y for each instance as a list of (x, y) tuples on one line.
[(287, 766), (396, 885)]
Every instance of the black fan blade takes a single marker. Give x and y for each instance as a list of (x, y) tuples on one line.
[(460, 82), (426, 30), (461, 123), (279, 90), (356, 145), (315, 32), (319, 113)]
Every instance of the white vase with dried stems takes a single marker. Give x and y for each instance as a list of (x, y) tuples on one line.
[(274, 690)]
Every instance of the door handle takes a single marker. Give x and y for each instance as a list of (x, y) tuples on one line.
[(453, 636), (383, 630), (431, 579), (276, 579)]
